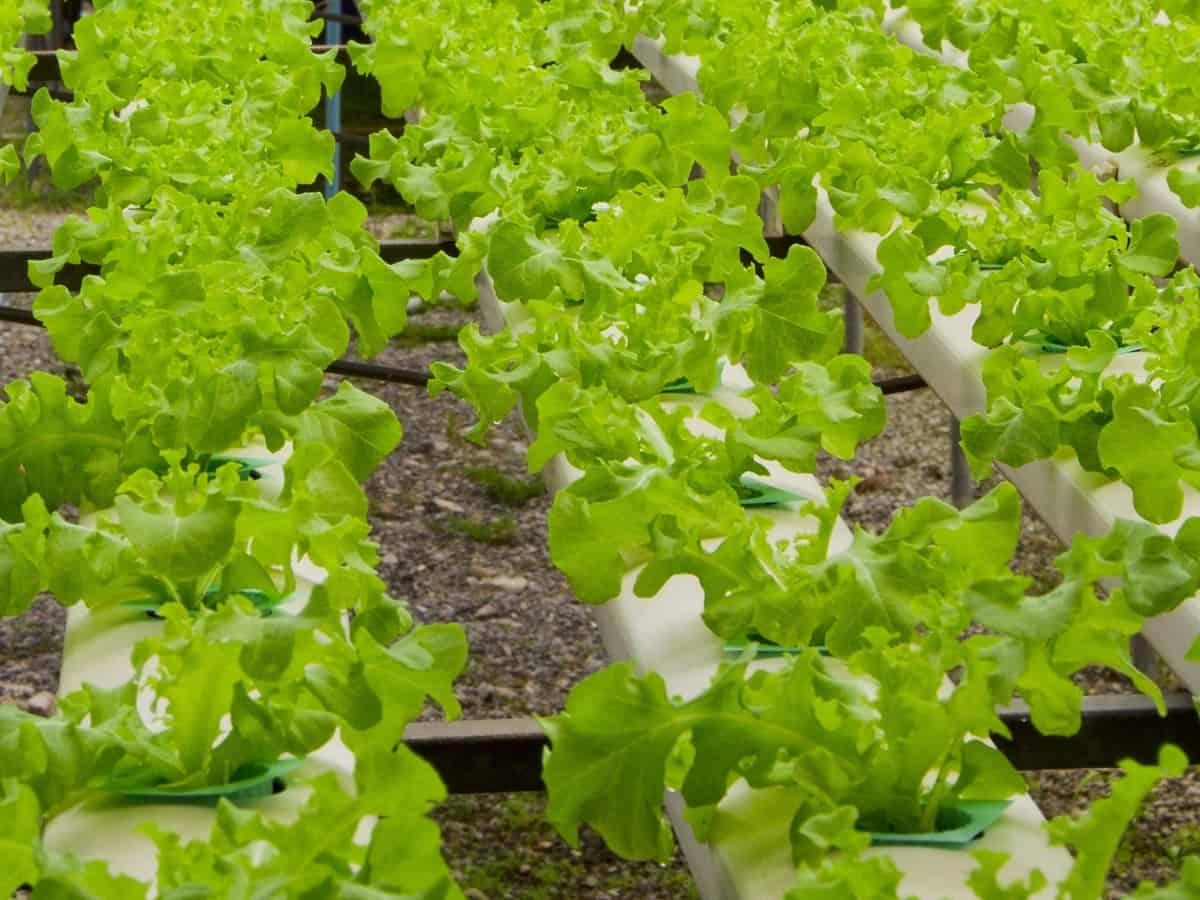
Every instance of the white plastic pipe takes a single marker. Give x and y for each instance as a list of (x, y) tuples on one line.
[(1069, 499), (748, 855), (97, 650)]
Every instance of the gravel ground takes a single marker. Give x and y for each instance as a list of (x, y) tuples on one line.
[(464, 554), (463, 549)]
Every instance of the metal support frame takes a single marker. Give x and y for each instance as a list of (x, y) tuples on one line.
[(900, 384), (501, 755), (962, 485), (1115, 727), (333, 105), (852, 319), (14, 264), (482, 756)]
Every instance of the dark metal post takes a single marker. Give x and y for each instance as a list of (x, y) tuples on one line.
[(962, 486), (852, 316), (333, 105)]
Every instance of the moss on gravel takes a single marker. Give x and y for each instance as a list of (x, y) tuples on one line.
[(502, 488), (418, 333), (486, 531), (536, 864)]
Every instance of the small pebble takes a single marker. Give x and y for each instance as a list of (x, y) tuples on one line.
[(43, 703)]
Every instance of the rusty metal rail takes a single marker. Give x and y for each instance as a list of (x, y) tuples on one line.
[(502, 755)]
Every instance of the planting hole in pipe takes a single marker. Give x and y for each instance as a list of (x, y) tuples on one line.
[(764, 648), (959, 823), (755, 493), (264, 601), (248, 467), (250, 782)]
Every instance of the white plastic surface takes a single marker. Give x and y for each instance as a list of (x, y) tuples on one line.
[(98, 643), (748, 855), (106, 828), (1068, 498), (97, 650)]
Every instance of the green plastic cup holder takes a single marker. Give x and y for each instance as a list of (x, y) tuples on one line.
[(678, 386), (1047, 344), (263, 601), (958, 824), (249, 466), (760, 494), (683, 385), (251, 782), (767, 649)]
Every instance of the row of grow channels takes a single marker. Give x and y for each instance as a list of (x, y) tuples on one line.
[(951, 360), (1034, 405), (1012, 365), (609, 265), (847, 253), (1050, 269), (745, 852), (1142, 135), (1117, 76), (1154, 158), (1123, 105), (202, 501), (1068, 491)]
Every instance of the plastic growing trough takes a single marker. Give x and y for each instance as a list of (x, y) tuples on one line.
[(97, 650), (748, 856), (1068, 498)]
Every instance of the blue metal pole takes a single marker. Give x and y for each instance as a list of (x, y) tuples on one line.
[(333, 105)]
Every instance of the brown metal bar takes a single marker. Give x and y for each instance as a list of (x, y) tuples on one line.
[(1115, 727), (901, 384), (499, 755), (18, 316), (389, 374), (14, 264), (395, 251), (482, 756), (356, 141)]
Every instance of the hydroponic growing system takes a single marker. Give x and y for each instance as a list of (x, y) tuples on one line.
[(1007, 186)]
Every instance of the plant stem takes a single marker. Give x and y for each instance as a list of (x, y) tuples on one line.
[(940, 786)]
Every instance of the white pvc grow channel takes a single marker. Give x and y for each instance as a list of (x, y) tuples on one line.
[(1132, 164), (748, 855), (97, 650), (98, 643), (108, 828), (1069, 499)]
